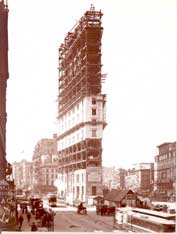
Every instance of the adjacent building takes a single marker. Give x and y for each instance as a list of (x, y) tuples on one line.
[(4, 75), (113, 178), (165, 172), (120, 174), (45, 165), (108, 178), (140, 178), (81, 110), (22, 174)]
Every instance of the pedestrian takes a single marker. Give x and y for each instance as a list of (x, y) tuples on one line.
[(20, 219), (33, 227), (26, 209), (16, 214), (44, 220), (49, 225), (48, 221), (28, 215)]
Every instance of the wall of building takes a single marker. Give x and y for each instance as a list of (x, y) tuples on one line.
[(132, 180), (4, 75), (81, 114), (22, 174), (45, 165), (165, 171), (140, 178)]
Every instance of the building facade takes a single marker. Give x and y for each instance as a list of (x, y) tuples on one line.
[(165, 172), (45, 166), (4, 75), (22, 174), (113, 178), (81, 110), (108, 177), (140, 178), (120, 174)]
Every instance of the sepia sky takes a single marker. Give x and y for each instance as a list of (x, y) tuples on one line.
[(138, 54)]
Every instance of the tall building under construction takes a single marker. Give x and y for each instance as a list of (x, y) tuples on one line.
[(81, 110)]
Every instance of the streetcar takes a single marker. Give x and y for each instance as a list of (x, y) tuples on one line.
[(52, 200)]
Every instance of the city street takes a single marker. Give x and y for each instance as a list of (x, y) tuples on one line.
[(67, 219), (71, 221)]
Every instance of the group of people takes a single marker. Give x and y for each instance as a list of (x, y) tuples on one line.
[(48, 221), (47, 218), (20, 220)]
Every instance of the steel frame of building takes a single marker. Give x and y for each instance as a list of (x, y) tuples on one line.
[(80, 61), (79, 77)]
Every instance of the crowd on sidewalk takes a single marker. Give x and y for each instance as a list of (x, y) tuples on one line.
[(26, 220)]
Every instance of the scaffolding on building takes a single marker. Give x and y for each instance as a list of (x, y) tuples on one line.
[(80, 61)]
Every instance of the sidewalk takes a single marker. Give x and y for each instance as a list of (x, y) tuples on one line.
[(27, 226)]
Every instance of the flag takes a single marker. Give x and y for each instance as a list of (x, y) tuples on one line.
[(103, 76)]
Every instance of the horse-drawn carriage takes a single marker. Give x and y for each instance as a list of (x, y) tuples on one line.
[(102, 209), (81, 209)]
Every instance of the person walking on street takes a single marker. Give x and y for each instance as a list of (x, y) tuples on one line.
[(49, 223), (28, 215), (33, 227), (20, 219), (16, 216), (49, 226)]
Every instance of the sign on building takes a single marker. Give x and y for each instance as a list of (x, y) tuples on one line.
[(4, 189), (94, 174)]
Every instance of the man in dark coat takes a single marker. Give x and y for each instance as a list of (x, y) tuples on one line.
[(20, 219)]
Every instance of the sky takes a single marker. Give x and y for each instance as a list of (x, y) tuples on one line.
[(138, 55)]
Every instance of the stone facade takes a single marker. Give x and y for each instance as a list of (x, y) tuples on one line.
[(22, 174), (165, 171), (140, 178), (45, 165)]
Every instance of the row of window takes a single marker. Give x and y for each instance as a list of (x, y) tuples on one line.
[(73, 178), (170, 173), (51, 176), (51, 170), (76, 137), (50, 182), (166, 156), (69, 122), (77, 190)]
